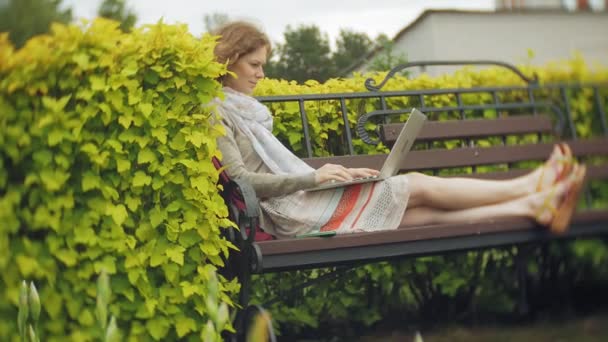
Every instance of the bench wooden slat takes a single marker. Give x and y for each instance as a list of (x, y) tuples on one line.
[(593, 172), (413, 233), (469, 156), (474, 128), (415, 241)]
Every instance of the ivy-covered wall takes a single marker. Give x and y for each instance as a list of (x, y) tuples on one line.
[(105, 163)]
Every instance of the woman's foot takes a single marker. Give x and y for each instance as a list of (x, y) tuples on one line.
[(554, 207), (555, 169), (543, 204), (567, 207)]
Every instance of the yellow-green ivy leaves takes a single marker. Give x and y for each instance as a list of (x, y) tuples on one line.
[(105, 163)]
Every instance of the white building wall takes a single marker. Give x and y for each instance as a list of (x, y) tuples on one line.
[(506, 36)]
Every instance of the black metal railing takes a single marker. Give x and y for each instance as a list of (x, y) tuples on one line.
[(370, 84), (534, 98), (558, 102)]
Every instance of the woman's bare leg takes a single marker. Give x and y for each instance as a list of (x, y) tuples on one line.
[(462, 193), (534, 206)]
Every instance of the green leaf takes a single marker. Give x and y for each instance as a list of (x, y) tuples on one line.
[(189, 238), (55, 105), (157, 216), (122, 165), (116, 99), (43, 157), (125, 120), (67, 256), (90, 181), (189, 289), (82, 60), (160, 134), (132, 202), (178, 142), (159, 256), (97, 82), (151, 76), (146, 156), (184, 325), (109, 192), (141, 179), (118, 213), (90, 149), (171, 272), (158, 327), (53, 180), (27, 265), (85, 235), (86, 318), (56, 136), (53, 304), (146, 109), (130, 69), (108, 263), (176, 254)]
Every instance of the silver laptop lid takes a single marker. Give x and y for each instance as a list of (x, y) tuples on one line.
[(404, 143)]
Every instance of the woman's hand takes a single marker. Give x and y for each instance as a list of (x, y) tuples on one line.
[(339, 173)]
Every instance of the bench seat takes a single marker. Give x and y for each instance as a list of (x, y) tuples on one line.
[(290, 254)]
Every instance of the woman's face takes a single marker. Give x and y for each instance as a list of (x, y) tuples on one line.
[(249, 69)]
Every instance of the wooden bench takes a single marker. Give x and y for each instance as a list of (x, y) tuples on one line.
[(294, 254)]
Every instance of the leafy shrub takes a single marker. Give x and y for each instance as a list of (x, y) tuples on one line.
[(105, 163)]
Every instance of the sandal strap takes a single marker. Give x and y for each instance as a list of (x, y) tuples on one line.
[(564, 161), (547, 205)]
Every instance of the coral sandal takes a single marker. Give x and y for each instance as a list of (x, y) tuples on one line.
[(547, 205), (563, 214), (565, 161)]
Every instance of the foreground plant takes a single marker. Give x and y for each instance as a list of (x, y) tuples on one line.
[(109, 330), (29, 311), (218, 312)]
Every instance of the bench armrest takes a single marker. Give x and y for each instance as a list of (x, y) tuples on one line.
[(244, 207)]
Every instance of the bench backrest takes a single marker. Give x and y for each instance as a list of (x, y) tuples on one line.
[(470, 154)]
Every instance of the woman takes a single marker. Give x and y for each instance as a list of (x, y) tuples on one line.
[(250, 151)]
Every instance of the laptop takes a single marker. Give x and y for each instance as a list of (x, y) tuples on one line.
[(395, 158)]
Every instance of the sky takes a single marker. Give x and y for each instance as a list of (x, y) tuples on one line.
[(370, 16)]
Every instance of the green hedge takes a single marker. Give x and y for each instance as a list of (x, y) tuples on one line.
[(105, 164)]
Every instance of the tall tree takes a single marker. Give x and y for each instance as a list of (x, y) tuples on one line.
[(26, 18), (350, 47), (117, 10), (387, 58), (305, 55)]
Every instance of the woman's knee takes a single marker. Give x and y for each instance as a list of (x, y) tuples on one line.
[(420, 187)]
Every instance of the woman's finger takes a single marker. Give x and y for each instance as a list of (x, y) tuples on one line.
[(342, 175), (363, 172)]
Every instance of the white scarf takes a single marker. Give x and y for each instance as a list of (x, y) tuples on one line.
[(254, 119)]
